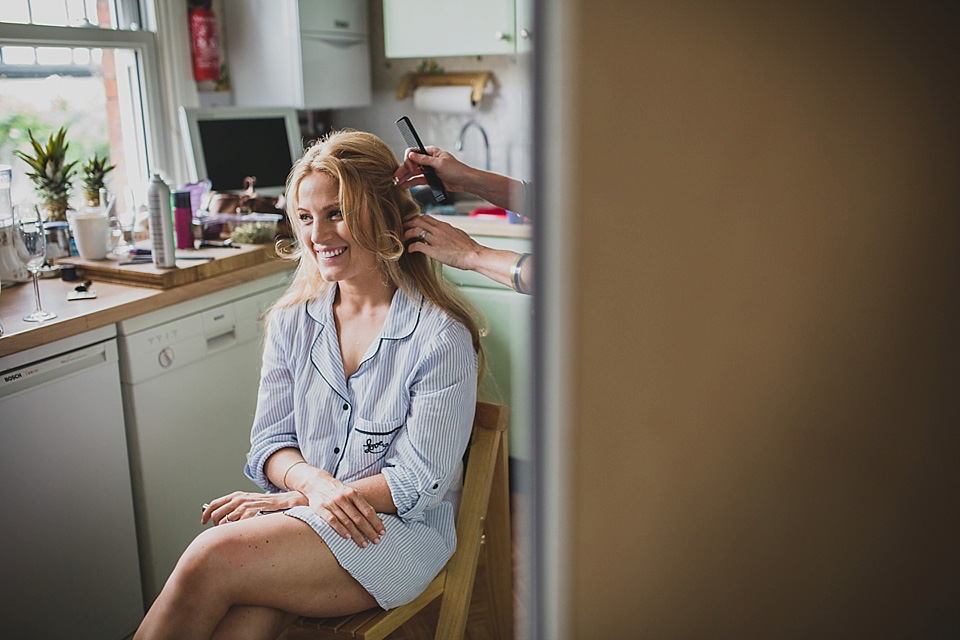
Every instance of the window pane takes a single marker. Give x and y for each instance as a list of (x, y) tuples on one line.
[(52, 12), (98, 102), (14, 11), (62, 13), (54, 56), (18, 55)]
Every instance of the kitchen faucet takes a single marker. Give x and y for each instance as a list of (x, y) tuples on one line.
[(486, 142)]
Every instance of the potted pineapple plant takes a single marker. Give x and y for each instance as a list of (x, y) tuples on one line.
[(94, 170), (52, 175)]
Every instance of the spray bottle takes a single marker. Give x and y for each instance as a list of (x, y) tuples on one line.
[(161, 223)]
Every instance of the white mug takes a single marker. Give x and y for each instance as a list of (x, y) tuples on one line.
[(90, 231)]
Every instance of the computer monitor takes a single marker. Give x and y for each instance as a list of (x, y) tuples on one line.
[(227, 144)]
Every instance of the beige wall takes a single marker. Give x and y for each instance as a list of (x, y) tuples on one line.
[(764, 424)]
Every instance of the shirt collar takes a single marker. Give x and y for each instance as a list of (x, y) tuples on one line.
[(401, 320)]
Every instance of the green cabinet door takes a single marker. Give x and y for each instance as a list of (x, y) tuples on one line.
[(507, 343), (435, 28)]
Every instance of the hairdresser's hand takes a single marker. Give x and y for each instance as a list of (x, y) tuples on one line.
[(341, 506), (242, 504), (456, 176), (443, 242)]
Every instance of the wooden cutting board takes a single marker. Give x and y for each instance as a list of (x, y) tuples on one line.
[(192, 265)]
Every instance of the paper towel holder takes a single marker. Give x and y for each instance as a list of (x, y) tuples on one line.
[(476, 79)]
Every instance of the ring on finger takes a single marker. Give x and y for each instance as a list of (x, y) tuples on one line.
[(423, 234)]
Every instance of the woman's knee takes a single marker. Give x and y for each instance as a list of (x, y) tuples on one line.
[(204, 560)]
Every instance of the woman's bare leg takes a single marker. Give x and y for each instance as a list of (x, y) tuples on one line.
[(273, 561), (245, 622)]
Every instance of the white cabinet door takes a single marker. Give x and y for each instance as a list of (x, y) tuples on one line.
[(436, 28), (307, 54), (343, 63)]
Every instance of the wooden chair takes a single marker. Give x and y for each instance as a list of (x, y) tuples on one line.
[(484, 520)]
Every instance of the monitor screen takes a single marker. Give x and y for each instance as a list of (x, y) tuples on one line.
[(227, 144)]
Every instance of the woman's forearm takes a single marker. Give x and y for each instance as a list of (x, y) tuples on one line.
[(509, 268), (376, 491), (280, 463), (287, 469), (497, 189)]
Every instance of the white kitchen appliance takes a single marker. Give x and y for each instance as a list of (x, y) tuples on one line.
[(308, 54), (69, 561), (190, 374)]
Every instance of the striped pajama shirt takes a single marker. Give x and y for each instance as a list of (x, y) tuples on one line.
[(406, 412)]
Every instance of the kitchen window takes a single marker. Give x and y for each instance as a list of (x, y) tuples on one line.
[(86, 65)]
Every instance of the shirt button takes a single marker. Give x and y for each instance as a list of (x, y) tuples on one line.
[(345, 406), (336, 449)]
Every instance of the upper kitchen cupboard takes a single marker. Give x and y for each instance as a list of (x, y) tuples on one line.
[(307, 54), (438, 28)]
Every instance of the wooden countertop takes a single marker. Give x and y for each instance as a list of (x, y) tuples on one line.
[(114, 302)]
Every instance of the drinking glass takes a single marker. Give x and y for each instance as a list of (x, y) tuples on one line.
[(31, 244), (122, 217)]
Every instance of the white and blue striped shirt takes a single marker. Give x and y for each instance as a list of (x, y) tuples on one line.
[(406, 413)]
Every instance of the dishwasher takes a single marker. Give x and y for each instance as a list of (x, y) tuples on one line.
[(69, 561), (189, 375)]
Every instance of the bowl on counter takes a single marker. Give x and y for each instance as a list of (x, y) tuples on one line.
[(250, 228)]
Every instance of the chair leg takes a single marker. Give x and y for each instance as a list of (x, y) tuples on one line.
[(499, 549)]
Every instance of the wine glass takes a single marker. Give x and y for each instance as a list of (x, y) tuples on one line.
[(31, 244), (122, 217)]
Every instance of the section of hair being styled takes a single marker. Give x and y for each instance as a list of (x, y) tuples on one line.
[(362, 165)]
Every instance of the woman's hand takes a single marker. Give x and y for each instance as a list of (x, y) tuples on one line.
[(242, 504), (455, 174), (341, 506), (442, 242)]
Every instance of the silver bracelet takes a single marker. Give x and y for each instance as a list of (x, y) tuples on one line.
[(527, 209), (515, 272)]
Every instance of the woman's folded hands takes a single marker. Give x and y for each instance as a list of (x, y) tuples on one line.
[(341, 505)]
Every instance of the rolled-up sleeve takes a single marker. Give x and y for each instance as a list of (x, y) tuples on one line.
[(274, 426), (443, 398)]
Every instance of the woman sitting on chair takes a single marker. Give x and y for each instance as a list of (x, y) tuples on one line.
[(366, 402)]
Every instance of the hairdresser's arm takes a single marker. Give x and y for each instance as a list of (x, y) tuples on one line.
[(496, 189), (452, 246)]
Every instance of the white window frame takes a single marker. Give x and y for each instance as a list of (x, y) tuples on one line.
[(144, 43)]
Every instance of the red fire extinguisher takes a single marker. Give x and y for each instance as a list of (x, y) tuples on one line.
[(203, 41)]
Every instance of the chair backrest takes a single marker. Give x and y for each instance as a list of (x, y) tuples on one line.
[(487, 449)]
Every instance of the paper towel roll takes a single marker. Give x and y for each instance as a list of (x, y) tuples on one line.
[(443, 99)]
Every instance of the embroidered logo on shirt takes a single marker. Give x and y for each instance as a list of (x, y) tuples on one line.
[(374, 447)]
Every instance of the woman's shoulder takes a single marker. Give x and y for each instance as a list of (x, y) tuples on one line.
[(291, 317), (437, 325)]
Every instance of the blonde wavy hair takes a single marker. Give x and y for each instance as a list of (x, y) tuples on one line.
[(362, 165)]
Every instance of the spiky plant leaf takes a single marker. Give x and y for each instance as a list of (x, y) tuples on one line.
[(51, 174), (94, 170)]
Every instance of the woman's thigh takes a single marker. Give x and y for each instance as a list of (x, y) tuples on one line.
[(272, 561)]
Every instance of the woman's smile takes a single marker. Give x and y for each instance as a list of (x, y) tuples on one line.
[(329, 254)]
